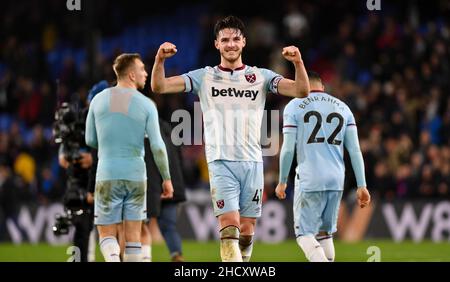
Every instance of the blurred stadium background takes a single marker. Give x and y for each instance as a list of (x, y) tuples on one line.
[(392, 67)]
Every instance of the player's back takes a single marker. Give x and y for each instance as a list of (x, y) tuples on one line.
[(321, 121), (120, 118)]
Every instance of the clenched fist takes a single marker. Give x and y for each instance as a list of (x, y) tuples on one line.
[(166, 50), (292, 54)]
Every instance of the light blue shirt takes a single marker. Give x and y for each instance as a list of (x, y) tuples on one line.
[(117, 121), (322, 124)]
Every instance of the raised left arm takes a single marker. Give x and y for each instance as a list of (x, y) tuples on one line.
[(298, 88)]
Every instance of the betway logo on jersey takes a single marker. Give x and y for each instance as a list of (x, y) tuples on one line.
[(233, 92)]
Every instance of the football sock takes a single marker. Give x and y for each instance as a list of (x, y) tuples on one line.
[(110, 249), (327, 244), (312, 249), (229, 244), (146, 253), (246, 247), (133, 252)]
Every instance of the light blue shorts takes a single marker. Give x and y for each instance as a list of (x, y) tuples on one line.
[(236, 186), (315, 211), (118, 200)]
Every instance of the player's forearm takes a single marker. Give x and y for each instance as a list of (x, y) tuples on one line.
[(358, 168), (158, 76), (286, 157), (301, 80), (160, 156), (354, 151)]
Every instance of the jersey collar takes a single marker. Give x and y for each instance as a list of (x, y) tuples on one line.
[(230, 70)]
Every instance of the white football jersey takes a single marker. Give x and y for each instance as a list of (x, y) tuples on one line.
[(232, 103)]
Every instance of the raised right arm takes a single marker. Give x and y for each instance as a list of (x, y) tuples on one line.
[(160, 83)]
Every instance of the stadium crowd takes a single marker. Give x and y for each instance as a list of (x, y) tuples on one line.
[(392, 71)]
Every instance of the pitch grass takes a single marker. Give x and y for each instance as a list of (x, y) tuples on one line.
[(287, 251)]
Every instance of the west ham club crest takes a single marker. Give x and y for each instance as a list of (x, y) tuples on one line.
[(220, 204), (251, 77)]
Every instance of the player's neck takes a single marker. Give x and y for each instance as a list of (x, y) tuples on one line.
[(126, 84), (231, 65), (316, 87)]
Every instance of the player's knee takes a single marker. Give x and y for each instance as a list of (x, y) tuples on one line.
[(106, 231), (230, 232), (227, 219), (248, 225), (133, 235)]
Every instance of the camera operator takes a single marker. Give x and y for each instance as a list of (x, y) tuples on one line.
[(76, 158)]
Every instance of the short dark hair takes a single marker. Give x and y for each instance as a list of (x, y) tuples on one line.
[(123, 62), (229, 22), (312, 75)]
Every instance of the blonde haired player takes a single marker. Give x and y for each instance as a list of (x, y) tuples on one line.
[(117, 121)]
